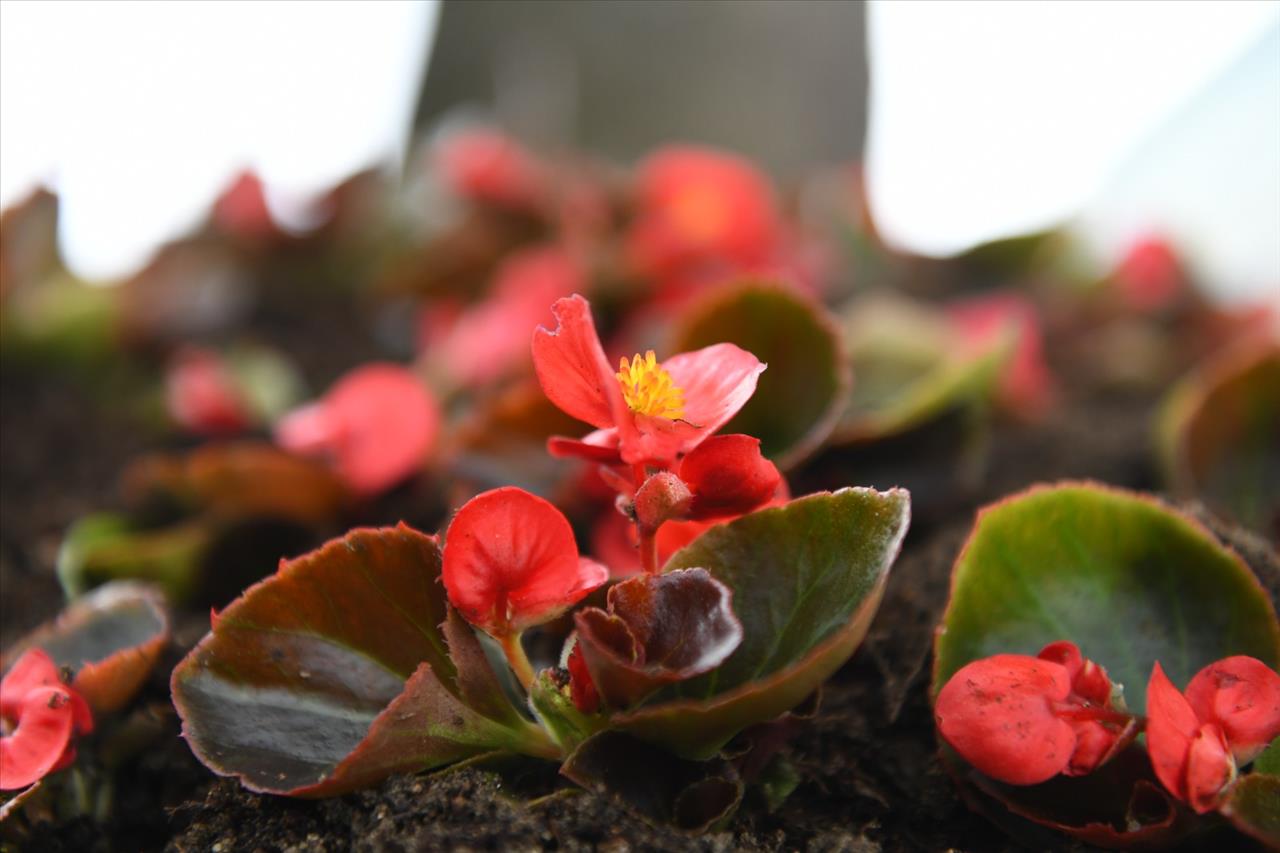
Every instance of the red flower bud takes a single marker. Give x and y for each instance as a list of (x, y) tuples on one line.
[(1241, 695), (510, 562), (377, 424), (663, 497), (1190, 757), (202, 396), (486, 166), (728, 476), (1150, 277)]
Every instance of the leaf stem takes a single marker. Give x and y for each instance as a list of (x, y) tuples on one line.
[(518, 660)]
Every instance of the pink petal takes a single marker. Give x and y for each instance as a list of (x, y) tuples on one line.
[(717, 381), (572, 368)]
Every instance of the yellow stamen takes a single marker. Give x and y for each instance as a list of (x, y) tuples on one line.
[(649, 389)]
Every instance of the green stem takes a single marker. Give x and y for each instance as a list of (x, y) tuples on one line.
[(518, 660)]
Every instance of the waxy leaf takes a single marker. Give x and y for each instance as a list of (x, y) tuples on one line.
[(107, 547), (911, 367), (798, 399), (335, 672), (1131, 582), (806, 578), (664, 789), (658, 630), (239, 480), (1128, 579), (1219, 435), (1254, 807), (109, 640)]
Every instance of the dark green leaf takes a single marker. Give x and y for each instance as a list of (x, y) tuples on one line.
[(806, 579), (1254, 807), (805, 388), (106, 547)]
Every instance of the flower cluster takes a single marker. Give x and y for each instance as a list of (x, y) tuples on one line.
[(1023, 720), (41, 717)]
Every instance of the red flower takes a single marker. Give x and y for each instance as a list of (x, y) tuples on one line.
[(658, 410), (1149, 276), (489, 167), (510, 562), (1024, 720), (43, 714), (488, 340), (202, 395), (242, 211), (728, 477), (697, 207), (1027, 385), (1194, 746), (582, 690), (376, 424)]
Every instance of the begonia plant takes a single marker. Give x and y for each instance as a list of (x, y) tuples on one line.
[(1124, 598), (390, 650)]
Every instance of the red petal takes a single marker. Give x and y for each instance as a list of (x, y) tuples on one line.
[(728, 476), (1171, 727), (996, 713), (600, 446), (1209, 768), (378, 423), (490, 339), (572, 368), (1242, 695), (1027, 385), (1089, 682), (201, 394), (1093, 744), (39, 742), (35, 669), (510, 561), (487, 166)]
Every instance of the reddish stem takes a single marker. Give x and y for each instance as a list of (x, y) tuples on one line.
[(649, 550)]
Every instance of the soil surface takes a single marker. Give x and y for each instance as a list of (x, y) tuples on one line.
[(870, 778)]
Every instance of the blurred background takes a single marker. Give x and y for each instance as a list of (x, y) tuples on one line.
[(973, 120)]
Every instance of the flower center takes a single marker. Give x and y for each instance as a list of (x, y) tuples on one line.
[(648, 388)]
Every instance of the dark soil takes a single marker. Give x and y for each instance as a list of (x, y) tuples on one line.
[(871, 780)]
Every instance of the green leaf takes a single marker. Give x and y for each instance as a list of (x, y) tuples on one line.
[(909, 368), (1128, 579), (109, 640), (1218, 435), (806, 578), (800, 396), (334, 673), (105, 547), (1269, 760), (555, 710), (1254, 807)]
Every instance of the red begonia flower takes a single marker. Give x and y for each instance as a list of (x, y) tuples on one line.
[(1241, 695), (489, 167), (582, 689), (698, 207), (998, 714), (1190, 757), (659, 410), (487, 341), (510, 562), (201, 394), (1149, 276), (43, 714), (376, 425), (1023, 720), (1027, 385), (728, 476)]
